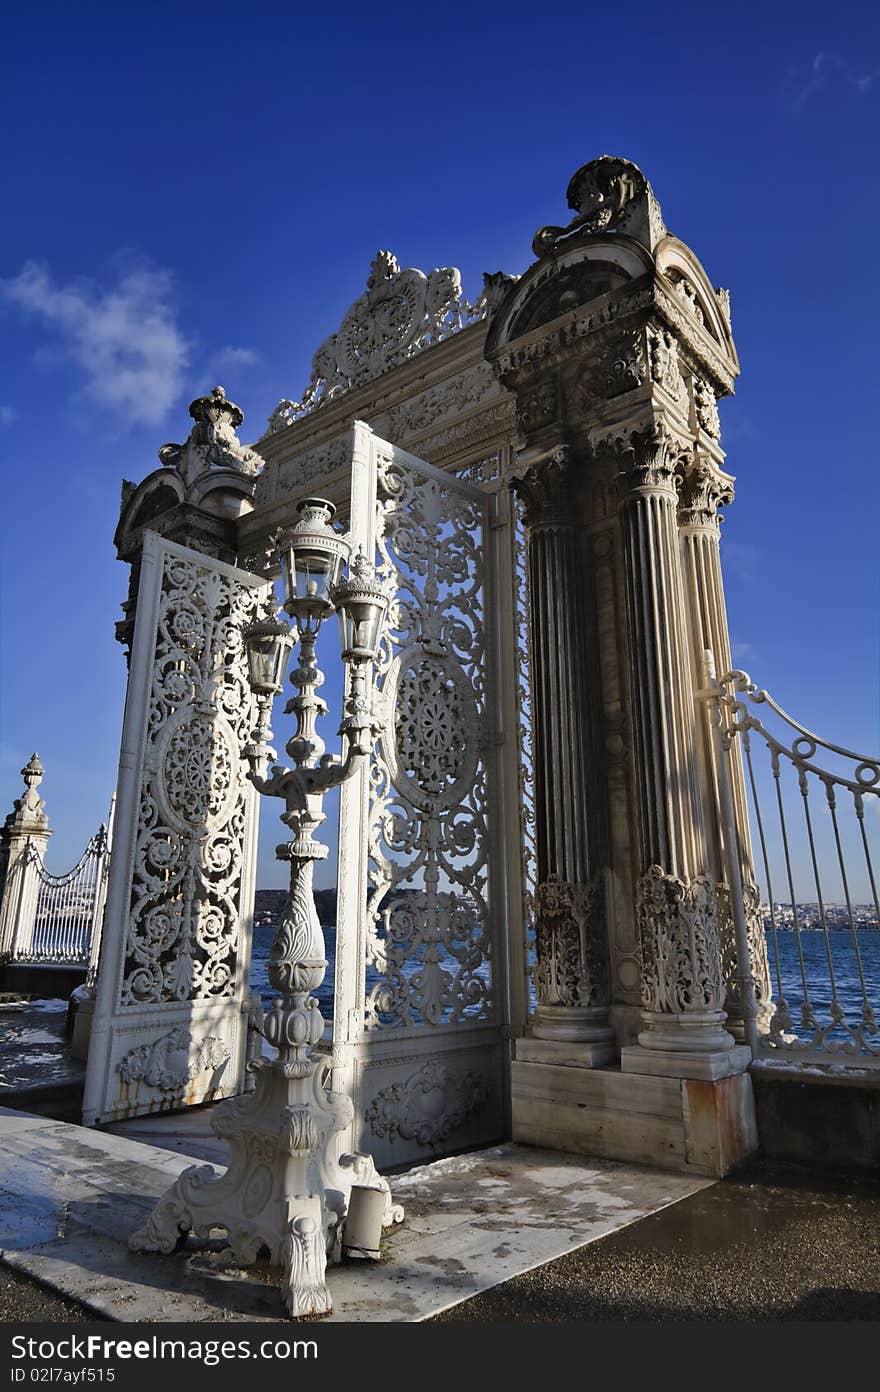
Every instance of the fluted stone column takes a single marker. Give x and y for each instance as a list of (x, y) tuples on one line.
[(27, 825), (703, 487), (682, 984), (572, 976)]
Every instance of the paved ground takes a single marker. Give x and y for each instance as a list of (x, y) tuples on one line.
[(71, 1197), (34, 1047), (24, 1301), (770, 1245)]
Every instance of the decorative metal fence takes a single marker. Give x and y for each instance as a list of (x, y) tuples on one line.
[(68, 906), (57, 919), (815, 811)]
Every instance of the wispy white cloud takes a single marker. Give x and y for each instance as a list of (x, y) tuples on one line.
[(123, 337), (233, 358), (743, 654), (741, 560), (826, 74), (739, 428), (7, 415)]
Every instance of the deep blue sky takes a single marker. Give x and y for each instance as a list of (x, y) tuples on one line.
[(194, 194)]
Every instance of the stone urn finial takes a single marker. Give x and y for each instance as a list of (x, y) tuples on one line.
[(28, 813), (33, 772), (217, 413)]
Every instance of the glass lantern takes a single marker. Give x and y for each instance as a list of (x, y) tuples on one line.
[(269, 642), (312, 556), (361, 600)]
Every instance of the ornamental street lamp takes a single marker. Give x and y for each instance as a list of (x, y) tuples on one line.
[(273, 1194)]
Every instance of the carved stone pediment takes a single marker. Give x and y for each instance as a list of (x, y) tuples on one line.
[(401, 312), (571, 288)]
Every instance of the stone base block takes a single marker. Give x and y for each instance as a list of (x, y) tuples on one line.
[(691, 1125), (82, 1028), (576, 1055), (668, 1064)]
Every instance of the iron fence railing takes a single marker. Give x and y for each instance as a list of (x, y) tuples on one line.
[(69, 908), (815, 811)]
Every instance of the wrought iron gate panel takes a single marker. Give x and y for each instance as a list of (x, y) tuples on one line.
[(429, 952), (173, 979), (427, 1058)]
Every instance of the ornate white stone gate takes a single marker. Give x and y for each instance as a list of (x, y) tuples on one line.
[(421, 1008), (170, 1018)]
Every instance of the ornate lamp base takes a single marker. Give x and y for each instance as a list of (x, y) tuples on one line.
[(282, 1191)]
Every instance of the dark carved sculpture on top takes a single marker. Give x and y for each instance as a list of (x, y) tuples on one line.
[(608, 195)]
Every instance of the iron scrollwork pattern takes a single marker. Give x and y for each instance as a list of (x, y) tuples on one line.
[(183, 926), (429, 947)]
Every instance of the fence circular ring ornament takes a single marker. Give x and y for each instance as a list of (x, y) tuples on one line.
[(804, 747), (867, 774)]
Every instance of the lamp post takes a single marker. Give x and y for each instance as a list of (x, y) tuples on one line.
[(273, 1194)]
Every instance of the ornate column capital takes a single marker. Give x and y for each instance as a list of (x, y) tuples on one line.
[(545, 485), (646, 455), (702, 489)]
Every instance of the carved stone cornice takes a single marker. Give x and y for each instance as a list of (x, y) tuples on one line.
[(557, 342), (652, 296), (702, 489), (700, 348)]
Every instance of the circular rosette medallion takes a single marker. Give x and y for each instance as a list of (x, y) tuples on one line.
[(381, 325), (198, 772), (433, 753)]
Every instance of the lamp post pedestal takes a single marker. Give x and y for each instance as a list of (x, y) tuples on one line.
[(286, 1189)]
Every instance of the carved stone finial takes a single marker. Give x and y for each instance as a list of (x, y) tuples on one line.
[(608, 194), (33, 772), (28, 813), (385, 266), (212, 443)]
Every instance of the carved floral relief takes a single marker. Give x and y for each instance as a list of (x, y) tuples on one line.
[(183, 922)]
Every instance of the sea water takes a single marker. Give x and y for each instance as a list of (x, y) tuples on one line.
[(812, 946)]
